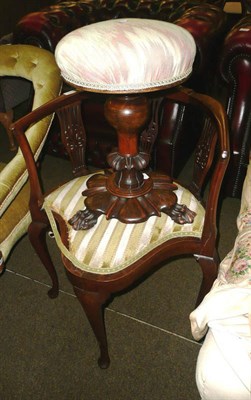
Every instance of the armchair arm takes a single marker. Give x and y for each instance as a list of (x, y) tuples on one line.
[(212, 149), (39, 67), (22, 126)]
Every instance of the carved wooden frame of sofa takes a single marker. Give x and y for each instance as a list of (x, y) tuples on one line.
[(206, 22)]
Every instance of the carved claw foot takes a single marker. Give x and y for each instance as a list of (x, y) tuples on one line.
[(181, 214), (84, 219)]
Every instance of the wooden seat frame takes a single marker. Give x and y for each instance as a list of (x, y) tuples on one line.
[(94, 290)]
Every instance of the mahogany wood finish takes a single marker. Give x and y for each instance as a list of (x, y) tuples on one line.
[(6, 119), (94, 290), (126, 194)]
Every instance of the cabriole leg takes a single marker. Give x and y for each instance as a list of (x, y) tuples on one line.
[(93, 305), (37, 235), (209, 267)]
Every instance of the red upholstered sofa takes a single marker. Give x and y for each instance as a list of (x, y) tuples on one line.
[(235, 80), (176, 128)]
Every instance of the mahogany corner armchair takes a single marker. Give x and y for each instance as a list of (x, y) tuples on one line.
[(112, 255)]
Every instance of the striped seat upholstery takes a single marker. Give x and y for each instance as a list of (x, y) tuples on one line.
[(110, 245)]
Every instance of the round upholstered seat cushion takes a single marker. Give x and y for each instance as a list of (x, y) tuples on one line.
[(110, 246), (126, 55)]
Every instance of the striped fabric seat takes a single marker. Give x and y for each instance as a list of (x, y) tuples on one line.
[(110, 245)]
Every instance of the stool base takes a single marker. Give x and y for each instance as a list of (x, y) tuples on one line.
[(156, 197)]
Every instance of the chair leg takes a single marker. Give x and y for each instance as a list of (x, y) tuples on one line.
[(37, 235), (93, 305), (209, 267)]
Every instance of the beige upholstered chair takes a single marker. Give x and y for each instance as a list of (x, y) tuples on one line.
[(39, 67)]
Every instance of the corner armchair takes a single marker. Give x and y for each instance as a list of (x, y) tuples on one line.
[(103, 260)]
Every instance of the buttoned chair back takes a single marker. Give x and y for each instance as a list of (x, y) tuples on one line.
[(37, 66)]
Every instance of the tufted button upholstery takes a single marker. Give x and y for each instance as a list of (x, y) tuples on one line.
[(235, 76), (39, 67), (32, 64), (47, 27)]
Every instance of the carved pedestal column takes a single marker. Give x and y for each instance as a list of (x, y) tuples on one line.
[(127, 193)]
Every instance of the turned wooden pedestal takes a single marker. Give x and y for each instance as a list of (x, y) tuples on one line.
[(126, 192)]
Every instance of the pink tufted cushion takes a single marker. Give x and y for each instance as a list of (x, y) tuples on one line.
[(126, 55)]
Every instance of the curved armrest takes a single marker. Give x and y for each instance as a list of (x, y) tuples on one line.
[(21, 130), (212, 149), (39, 67)]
